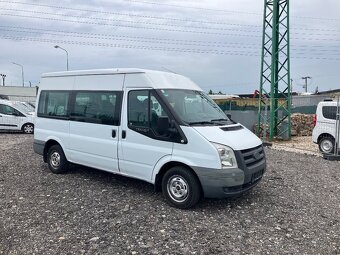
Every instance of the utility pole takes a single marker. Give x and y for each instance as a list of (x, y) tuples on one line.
[(3, 76), (306, 82), (275, 87)]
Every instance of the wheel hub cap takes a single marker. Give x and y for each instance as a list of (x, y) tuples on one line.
[(178, 188), (55, 159), (327, 146)]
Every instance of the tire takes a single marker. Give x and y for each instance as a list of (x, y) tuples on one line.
[(181, 188), (56, 160), (326, 144), (28, 128)]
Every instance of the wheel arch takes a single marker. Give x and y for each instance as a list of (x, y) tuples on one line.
[(165, 168), (22, 126), (48, 145), (324, 135)]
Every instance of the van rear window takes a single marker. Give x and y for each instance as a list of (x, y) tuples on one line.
[(329, 112)]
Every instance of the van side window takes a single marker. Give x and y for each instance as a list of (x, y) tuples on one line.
[(8, 110), (138, 114), (329, 112), (144, 112), (53, 104), (101, 107)]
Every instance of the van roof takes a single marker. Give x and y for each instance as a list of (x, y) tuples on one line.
[(135, 78), (99, 71)]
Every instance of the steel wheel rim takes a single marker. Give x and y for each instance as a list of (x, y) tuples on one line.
[(327, 146), (28, 129), (178, 188), (55, 159)]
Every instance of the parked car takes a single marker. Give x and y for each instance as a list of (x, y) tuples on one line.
[(13, 116), (155, 126), (4, 97), (324, 132)]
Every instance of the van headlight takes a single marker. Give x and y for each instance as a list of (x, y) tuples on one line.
[(227, 156)]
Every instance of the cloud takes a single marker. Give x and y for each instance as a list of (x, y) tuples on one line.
[(216, 43)]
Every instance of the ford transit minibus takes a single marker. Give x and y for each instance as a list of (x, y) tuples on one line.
[(156, 126)]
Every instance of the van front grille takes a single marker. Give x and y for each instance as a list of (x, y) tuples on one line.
[(253, 156)]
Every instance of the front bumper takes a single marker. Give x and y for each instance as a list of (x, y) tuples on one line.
[(223, 183)]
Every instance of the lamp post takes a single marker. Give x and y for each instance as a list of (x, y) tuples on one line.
[(58, 47), (3, 76), (22, 72)]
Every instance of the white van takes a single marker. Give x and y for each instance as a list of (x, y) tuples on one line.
[(155, 126), (15, 116), (324, 132)]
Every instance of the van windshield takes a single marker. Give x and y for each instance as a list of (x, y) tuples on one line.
[(195, 107)]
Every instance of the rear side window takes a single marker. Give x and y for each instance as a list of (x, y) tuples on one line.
[(329, 112), (53, 104), (101, 107)]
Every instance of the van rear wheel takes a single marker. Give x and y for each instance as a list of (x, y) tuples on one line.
[(181, 188), (326, 144), (56, 160)]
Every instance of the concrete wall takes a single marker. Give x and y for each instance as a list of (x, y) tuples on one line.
[(18, 91)]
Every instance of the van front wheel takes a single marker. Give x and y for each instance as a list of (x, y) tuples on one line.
[(56, 160), (326, 144), (181, 188)]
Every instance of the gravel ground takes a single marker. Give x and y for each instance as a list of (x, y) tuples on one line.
[(299, 144), (294, 210)]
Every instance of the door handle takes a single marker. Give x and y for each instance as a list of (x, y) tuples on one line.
[(114, 133), (123, 134)]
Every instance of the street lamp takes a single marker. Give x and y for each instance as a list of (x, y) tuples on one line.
[(22, 72), (3, 76), (58, 47)]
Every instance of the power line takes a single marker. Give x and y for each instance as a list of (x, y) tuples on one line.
[(139, 39), (156, 29), (128, 21), (221, 11), (149, 16), (156, 48), (125, 26), (128, 14)]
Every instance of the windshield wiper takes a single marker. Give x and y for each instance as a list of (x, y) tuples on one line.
[(201, 123), (227, 120), (220, 120)]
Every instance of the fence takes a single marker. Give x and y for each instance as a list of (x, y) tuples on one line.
[(303, 109)]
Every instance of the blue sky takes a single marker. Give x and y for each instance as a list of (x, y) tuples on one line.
[(216, 43)]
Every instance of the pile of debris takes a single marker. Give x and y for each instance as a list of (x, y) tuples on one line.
[(302, 124)]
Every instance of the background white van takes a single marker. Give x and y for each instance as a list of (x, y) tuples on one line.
[(325, 131), (15, 115), (155, 126)]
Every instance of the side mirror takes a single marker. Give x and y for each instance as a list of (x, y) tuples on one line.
[(229, 116)]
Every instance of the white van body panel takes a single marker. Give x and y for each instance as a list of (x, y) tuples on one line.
[(137, 153), (324, 126), (237, 140), (52, 129), (92, 144), (197, 152), (56, 83)]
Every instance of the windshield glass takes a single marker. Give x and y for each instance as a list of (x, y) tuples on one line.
[(23, 107), (195, 107)]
